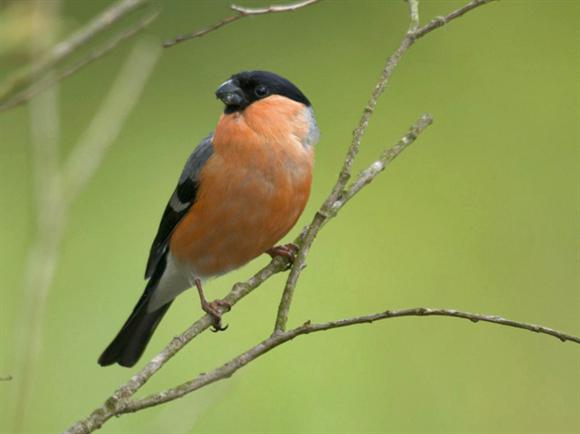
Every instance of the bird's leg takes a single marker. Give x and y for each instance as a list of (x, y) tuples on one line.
[(212, 308), (287, 251)]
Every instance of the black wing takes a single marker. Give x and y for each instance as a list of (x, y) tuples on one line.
[(180, 202)]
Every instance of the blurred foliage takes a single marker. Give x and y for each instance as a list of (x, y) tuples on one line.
[(19, 22), (481, 214)]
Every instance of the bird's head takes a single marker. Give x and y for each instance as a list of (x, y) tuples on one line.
[(247, 87)]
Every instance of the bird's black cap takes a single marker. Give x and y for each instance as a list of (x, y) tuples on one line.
[(244, 88)]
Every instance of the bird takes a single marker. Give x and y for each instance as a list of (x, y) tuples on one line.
[(240, 192)]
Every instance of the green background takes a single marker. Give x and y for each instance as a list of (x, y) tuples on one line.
[(481, 214)]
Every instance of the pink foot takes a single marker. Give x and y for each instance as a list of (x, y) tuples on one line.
[(213, 308), (287, 251)]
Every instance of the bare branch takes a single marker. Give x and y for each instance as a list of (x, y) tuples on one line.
[(199, 33), (345, 173), (425, 311), (437, 22), (6, 378), (370, 173), (358, 133), (33, 90), (413, 15), (329, 211), (241, 12), (121, 403), (66, 48), (273, 9), (231, 367), (239, 291)]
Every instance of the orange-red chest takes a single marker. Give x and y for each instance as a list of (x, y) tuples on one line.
[(251, 190)]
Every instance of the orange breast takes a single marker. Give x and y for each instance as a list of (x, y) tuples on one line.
[(252, 189)]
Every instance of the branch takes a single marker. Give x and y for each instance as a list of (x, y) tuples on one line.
[(69, 46), (41, 85), (240, 290), (369, 174), (231, 367), (437, 22), (241, 12), (273, 9), (328, 207), (325, 211), (120, 402)]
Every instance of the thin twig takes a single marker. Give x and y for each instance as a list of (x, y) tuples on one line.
[(241, 12), (6, 378), (442, 20), (67, 47), (28, 93), (199, 33), (370, 173), (229, 368), (274, 8)]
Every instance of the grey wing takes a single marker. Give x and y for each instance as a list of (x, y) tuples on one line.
[(181, 200)]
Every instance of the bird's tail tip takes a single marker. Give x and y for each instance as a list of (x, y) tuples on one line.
[(130, 343)]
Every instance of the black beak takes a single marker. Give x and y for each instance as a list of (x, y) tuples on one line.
[(230, 94)]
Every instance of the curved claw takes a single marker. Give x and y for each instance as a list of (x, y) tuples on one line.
[(217, 327), (213, 309)]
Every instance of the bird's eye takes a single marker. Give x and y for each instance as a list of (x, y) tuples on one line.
[(261, 91)]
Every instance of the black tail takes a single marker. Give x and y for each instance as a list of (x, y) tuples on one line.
[(130, 342)]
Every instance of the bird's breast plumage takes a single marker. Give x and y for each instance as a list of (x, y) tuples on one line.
[(252, 189)]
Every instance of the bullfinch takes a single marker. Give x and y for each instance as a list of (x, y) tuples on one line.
[(241, 190)]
